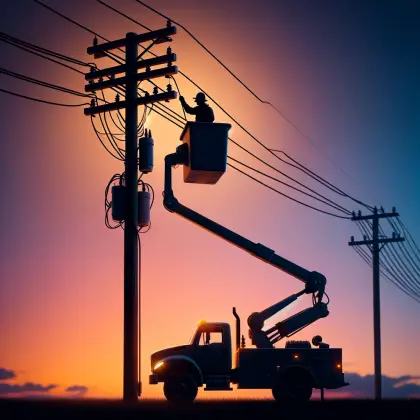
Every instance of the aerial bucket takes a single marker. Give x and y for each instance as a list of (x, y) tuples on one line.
[(207, 151)]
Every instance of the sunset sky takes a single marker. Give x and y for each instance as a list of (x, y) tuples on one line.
[(346, 73)]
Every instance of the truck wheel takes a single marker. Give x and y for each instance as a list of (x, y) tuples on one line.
[(292, 387), (180, 389)]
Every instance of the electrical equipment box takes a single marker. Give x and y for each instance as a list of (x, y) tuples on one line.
[(146, 154), (118, 203), (143, 208), (207, 151)]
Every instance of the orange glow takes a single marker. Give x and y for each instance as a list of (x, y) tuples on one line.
[(62, 302)]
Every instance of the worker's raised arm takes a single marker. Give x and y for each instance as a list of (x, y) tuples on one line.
[(188, 109)]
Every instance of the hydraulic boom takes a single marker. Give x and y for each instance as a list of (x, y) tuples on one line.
[(314, 281)]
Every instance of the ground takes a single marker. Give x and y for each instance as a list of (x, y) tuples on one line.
[(259, 410)]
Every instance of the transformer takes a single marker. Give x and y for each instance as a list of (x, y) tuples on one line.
[(143, 208), (118, 203), (146, 145)]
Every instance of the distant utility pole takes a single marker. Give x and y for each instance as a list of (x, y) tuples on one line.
[(133, 62), (375, 249)]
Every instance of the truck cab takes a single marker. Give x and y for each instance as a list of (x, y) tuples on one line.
[(207, 359)]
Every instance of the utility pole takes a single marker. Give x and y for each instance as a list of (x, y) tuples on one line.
[(133, 62), (374, 246)]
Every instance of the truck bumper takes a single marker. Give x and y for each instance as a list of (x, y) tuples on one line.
[(153, 379), (336, 384)]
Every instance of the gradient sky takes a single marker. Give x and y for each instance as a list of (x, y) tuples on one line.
[(346, 73)]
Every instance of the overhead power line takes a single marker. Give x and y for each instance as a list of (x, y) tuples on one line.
[(44, 84), (41, 100), (23, 47), (271, 151), (391, 265), (305, 136), (98, 35)]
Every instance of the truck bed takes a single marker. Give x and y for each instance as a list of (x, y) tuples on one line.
[(260, 368)]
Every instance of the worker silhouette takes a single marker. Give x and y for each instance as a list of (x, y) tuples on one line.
[(202, 112)]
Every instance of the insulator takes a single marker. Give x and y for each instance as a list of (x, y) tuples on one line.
[(147, 69), (95, 41), (364, 237), (169, 88), (155, 90), (393, 235), (359, 213), (352, 239), (117, 97), (394, 210), (169, 51), (92, 103), (168, 24), (143, 208)]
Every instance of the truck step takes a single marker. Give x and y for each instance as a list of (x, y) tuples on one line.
[(217, 388), (218, 383)]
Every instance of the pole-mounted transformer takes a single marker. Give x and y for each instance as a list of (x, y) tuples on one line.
[(146, 152), (144, 208), (118, 205)]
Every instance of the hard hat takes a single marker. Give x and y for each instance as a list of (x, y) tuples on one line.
[(200, 97)]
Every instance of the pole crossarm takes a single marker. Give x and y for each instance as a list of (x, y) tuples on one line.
[(145, 100), (372, 216), (380, 241), (146, 75), (162, 35), (148, 62)]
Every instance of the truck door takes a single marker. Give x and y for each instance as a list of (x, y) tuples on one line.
[(214, 354)]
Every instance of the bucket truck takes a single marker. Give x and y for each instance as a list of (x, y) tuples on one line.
[(291, 373)]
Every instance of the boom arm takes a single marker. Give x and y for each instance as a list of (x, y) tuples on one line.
[(314, 281)]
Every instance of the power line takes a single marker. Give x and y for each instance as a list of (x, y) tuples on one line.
[(222, 109), (334, 205), (403, 248), (387, 272), (307, 138), (284, 195), (41, 100), (96, 34), (10, 39), (411, 240), (391, 263), (43, 84), (40, 55), (318, 178), (103, 144)]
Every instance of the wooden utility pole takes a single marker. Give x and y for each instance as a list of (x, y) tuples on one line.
[(374, 246), (132, 372)]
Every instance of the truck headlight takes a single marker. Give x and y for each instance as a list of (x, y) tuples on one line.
[(158, 365)]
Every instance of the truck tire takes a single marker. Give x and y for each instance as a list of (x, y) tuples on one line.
[(180, 389), (294, 386)]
